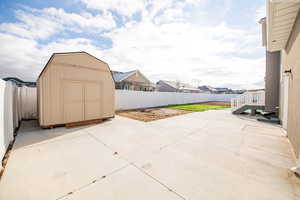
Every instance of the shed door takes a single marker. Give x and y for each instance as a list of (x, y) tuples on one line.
[(92, 100), (73, 101)]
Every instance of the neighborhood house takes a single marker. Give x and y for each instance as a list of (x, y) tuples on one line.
[(173, 86), (132, 80)]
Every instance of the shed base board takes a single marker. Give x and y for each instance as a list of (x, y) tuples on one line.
[(76, 124)]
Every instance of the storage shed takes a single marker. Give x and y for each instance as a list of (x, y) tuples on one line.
[(74, 87)]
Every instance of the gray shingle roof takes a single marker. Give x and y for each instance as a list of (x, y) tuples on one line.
[(180, 86), (120, 76), (222, 89), (207, 88)]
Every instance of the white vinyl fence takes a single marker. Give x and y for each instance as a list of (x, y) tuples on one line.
[(6, 116), (29, 102), (16, 103), (128, 99)]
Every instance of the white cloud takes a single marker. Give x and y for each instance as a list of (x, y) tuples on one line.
[(194, 1), (124, 7), (31, 26), (81, 22), (163, 45), (149, 8), (25, 58), (171, 13), (260, 12), (19, 57), (185, 52), (40, 24)]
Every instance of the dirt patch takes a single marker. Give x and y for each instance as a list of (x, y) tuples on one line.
[(5, 158), (152, 114)]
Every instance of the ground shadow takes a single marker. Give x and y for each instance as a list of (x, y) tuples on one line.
[(30, 133)]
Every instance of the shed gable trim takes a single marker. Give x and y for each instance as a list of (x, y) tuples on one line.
[(67, 53)]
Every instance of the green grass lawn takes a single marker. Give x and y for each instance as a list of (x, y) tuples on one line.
[(197, 107)]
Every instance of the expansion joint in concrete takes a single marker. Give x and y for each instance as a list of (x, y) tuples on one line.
[(92, 182), (158, 181)]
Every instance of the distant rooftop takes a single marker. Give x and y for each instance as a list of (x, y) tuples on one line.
[(207, 88), (222, 89), (179, 85), (120, 76), (20, 82)]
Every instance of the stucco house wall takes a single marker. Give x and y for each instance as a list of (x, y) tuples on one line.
[(291, 61), (272, 81)]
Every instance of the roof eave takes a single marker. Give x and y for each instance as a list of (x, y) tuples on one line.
[(281, 16)]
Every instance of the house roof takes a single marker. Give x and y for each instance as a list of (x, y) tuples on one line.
[(180, 86), (172, 84), (222, 89), (120, 76), (188, 87), (207, 88), (20, 82), (281, 16)]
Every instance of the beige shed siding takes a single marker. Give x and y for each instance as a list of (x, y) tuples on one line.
[(84, 70), (44, 96), (291, 60)]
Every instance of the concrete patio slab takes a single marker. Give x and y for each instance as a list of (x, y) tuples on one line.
[(53, 169), (201, 155), (213, 172), (129, 183)]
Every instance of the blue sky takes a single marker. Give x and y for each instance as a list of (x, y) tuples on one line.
[(206, 42)]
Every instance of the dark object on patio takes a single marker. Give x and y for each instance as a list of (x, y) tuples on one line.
[(269, 117)]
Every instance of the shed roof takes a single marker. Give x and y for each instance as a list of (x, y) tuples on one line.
[(75, 52)]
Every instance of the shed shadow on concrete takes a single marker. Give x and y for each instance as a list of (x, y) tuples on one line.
[(30, 133)]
